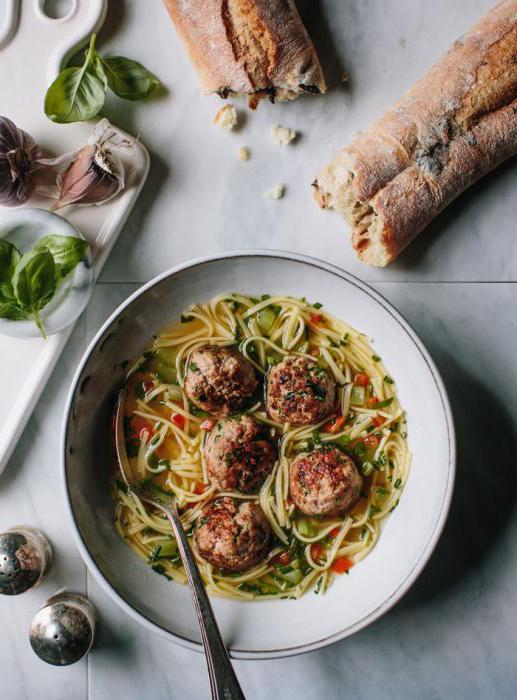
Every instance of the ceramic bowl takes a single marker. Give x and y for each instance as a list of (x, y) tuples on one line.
[(259, 629), (23, 228)]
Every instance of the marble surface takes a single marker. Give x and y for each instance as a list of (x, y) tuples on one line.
[(454, 635)]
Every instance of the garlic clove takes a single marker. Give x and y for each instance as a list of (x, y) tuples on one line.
[(91, 178)]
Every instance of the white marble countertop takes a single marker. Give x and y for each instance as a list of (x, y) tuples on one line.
[(454, 635)]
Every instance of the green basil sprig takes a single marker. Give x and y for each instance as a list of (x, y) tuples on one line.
[(29, 282), (78, 94)]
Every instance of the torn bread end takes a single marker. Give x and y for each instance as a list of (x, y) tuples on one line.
[(334, 190)]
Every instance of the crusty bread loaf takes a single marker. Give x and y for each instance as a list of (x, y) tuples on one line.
[(454, 126), (258, 48)]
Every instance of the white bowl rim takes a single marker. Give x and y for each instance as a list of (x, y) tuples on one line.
[(440, 521)]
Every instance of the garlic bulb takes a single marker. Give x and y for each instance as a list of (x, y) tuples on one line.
[(19, 160), (94, 174)]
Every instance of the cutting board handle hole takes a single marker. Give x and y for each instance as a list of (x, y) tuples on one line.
[(58, 9)]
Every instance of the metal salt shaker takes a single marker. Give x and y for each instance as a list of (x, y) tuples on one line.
[(25, 558), (64, 630)]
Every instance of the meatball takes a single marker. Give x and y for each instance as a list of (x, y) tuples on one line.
[(324, 482), (219, 379), (232, 535), (299, 391), (239, 455)]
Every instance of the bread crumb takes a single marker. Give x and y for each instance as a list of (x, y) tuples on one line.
[(283, 136), (226, 118), (244, 153), (276, 192)]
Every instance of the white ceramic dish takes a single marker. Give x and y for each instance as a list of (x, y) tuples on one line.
[(262, 629), (34, 47), (23, 228)]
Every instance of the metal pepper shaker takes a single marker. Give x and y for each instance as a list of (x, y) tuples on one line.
[(64, 630), (25, 558)]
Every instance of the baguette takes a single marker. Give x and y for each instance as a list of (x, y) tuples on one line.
[(455, 125), (258, 48)]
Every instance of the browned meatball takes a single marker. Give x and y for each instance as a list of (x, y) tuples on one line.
[(299, 391), (324, 482), (232, 535), (219, 379), (239, 455)]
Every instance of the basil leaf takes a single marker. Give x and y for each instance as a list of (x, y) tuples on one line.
[(34, 279), (67, 251), (34, 282), (75, 95), (98, 68), (9, 258), (9, 310), (129, 79)]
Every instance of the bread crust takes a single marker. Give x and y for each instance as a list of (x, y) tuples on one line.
[(455, 125), (248, 47)]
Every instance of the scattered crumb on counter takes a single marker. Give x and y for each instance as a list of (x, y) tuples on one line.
[(283, 136), (276, 192), (226, 118), (244, 153), (345, 77)]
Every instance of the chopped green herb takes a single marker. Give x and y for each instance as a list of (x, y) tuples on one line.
[(385, 403), (314, 440), (161, 570), (388, 380), (398, 483), (367, 468), (317, 305), (155, 553), (376, 358)]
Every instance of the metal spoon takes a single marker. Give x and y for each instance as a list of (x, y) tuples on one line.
[(223, 681)]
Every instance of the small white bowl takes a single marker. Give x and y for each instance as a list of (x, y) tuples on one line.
[(23, 228)]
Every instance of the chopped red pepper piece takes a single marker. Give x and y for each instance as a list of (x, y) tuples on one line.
[(334, 425), (378, 421), (371, 441), (282, 558), (361, 379), (178, 420), (335, 532), (317, 551), (199, 488), (341, 565), (315, 319)]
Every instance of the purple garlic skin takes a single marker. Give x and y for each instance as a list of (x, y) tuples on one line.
[(19, 154)]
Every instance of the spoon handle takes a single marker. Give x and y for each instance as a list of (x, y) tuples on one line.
[(223, 681)]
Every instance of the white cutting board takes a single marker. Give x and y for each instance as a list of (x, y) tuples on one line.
[(33, 48)]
